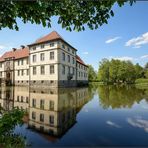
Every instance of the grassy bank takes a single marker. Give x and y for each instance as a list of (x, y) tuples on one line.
[(142, 82)]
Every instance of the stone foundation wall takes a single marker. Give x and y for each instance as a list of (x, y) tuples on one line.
[(66, 83), (52, 83), (82, 83), (21, 83), (42, 83)]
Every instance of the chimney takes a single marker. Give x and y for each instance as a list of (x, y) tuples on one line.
[(14, 49), (22, 46)]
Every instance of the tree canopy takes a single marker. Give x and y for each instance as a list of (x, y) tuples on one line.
[(72, 14), (116, 71), (92, 76)]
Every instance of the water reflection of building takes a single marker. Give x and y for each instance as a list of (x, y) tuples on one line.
[(7, 98), (21, 97), (50, 111)]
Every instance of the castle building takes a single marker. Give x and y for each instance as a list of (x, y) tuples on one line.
[(50, 61)]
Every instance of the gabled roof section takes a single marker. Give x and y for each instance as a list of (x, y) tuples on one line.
[(50, 37), (17, 54), (78, 59)]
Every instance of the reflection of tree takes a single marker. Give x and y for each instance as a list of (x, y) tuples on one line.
[(119, 96)]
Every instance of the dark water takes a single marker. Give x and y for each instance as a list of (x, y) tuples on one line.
[(93, 116)]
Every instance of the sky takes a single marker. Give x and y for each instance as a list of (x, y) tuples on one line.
[(125, 37)]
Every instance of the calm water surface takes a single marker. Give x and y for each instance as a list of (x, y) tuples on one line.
[(93, 116)]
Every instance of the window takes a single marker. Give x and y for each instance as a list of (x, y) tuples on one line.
[(51, 69), (73, 70), (51, 105), (18, 98), (51, 44), (63, 70), (63, 46), (68, 70), (73, 60), (34, 70), (22, 72), (41, 104), (18, 62), (42, 117), (73, 51), (42, 46), (34, 58), (68, 56), (34, 48), (52, 55), (33, 115), (33, 103), (42, 56), (27, 71), (68, 49), (27, 61), (27, 99), (0, 64), (8, 63), (22, 61), (41, 128), (21, 98), (1, 74), (42, 70), (51, 119), (63, 56)]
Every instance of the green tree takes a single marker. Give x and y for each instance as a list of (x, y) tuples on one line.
[(8, 121), (146, 66), (130, 72), (122, 72), (116, 71), (146, 74), (92, 76), (72, 14), (139, 71), (103, 72)]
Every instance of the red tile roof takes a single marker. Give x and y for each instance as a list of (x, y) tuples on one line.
[(50, 37), (78, 59), (18, 54)]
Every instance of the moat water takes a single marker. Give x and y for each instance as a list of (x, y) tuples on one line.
[(90, 116)]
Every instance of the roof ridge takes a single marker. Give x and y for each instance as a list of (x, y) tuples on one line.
[(53, 34)]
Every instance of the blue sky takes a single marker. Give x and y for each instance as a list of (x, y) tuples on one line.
[(124, 37)]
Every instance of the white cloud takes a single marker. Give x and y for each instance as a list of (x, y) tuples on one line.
[(137, 47), (139, 123), (124, 58), (2, 47), (112, 40), (113, 124), (137, 42), (86, 53), (144, 56)]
